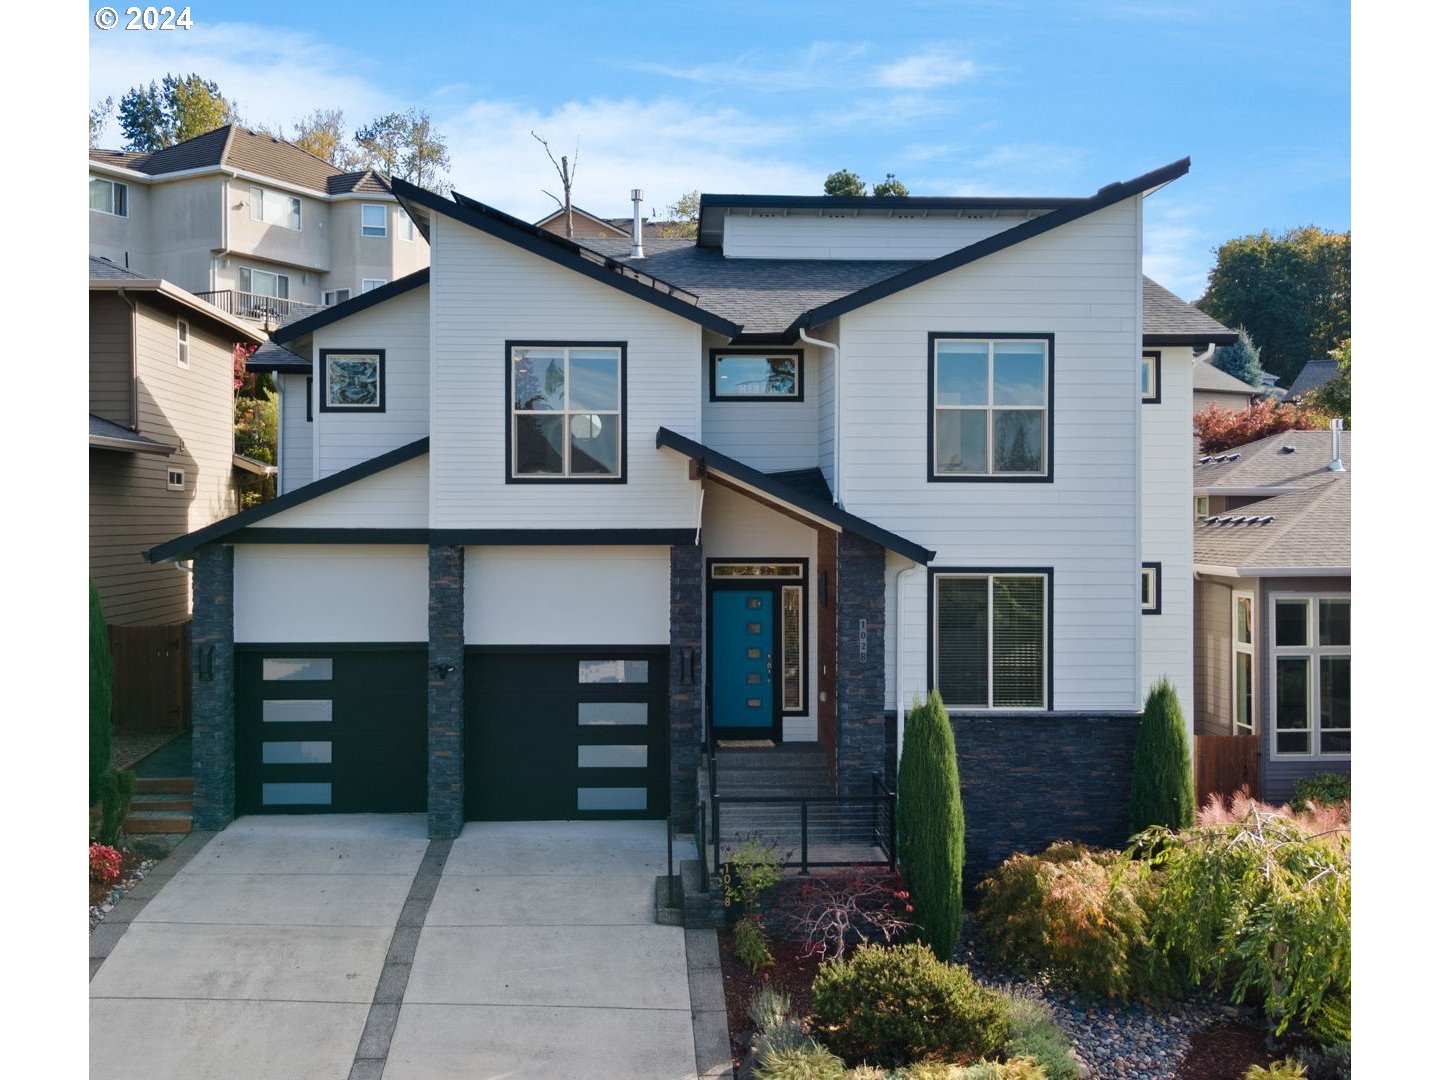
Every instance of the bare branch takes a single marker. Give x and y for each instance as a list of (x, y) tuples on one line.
[(558, 201)]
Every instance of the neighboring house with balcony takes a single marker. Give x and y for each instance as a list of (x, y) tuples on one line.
[(1272, 603), (252, 223), (559, 527)]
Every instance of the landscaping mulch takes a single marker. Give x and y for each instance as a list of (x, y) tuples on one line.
[(1224, 1052), (793, 972)]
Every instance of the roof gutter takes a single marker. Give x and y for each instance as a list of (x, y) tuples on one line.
[(1271, 571)]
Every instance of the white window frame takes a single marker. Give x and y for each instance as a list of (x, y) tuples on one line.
[(1045, 410), (370, 284), (1202, 507), (989, 576), (175, 479), (331, 297), (1313, 651), (113, 185), (252, 271), (1237, 649), (259, 196), (384, 225), (406, 227), (182, 343)]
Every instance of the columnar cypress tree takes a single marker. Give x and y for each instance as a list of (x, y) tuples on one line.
[(930, 823), (1163, 791), (100, 693)]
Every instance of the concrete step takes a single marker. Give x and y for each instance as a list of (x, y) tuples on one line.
[(162, 785), (156, 821)]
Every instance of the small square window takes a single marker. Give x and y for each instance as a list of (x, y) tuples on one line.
[(372, 219), (352, 381), (182, 343), (175, 479), (1150, 378), (1150, 588)]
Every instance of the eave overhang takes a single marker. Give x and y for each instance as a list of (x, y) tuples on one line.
[(1216, 570)]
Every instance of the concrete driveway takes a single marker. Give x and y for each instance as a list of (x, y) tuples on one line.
[(351, 947)]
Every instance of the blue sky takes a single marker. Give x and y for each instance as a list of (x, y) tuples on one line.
[(1023, 97)]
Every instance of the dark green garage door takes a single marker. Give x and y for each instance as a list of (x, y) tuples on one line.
[(330, 729), (553, 735)]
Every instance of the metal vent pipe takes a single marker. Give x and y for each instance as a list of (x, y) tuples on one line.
[(637, 244)]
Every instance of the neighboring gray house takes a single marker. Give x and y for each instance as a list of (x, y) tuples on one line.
[(557, 525), (1272, 603), (1216, 387), (251, 223), (1312, 376)]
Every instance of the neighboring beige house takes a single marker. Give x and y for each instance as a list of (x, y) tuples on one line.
[(251, 223), (162, 453), (587, 226), (1216, 387)]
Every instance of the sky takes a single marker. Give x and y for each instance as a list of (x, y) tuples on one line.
[(988, 97)]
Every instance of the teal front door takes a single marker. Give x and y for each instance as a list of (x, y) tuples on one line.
[(742, 663)]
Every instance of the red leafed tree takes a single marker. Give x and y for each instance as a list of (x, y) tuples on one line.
[(1220, 429), (242, 352)]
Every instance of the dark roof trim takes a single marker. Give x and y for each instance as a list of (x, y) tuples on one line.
[(628, 279), (784, 493), (470, 537), (1106, 196), (1228, 337), (228, 527), (308, 325)]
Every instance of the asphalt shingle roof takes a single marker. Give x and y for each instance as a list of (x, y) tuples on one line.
[(104, 429), (1211, 378), (1265, 462), (1166, 313), (104, 268), (1310, 529), (1312, 376)]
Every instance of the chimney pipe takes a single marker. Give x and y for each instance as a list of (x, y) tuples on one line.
[(637, 245), (1336, 427)]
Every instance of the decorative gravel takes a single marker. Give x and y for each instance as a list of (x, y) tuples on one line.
[(100, 910), (1114, 1040)]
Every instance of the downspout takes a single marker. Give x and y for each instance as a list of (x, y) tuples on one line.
[(134, 360), (835, 450), (900, 578)]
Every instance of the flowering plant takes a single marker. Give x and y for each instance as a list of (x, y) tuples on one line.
[(104, 864)]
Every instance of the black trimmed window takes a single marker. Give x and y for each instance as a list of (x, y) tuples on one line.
[(110, 197), (1150, 588), (565, 412), (1150, 378), (352, 380), (990, 638), (1310, 674), (757, 375), (992, 402)]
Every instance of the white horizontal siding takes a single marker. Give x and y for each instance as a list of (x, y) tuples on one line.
[(776, 235), (397, 498), (297, 445), (487, 292), (1081, 283), (400, 326), (331, 592), (1167, 530), (771, 436), (567, 596)]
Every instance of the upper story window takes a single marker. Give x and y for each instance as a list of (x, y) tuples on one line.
[(1202, 507), (264, 283), (1310, 675), (274, 208), (1150, 588), (370, 284), (407, 227), (352, 380), (336, 296), (1150, 378), (750, 375), (1242, 720), (110, 197), (990, 638), (182, 343), (372, 219), (566, 411), (991, 402)]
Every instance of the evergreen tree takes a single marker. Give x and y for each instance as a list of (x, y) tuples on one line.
[(1163, 791), (1241, 360), (930, 824), (889, 186), (100, 693), (844, 182), (180, 107)]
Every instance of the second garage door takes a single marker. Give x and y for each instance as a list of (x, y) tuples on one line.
[(566, 734)]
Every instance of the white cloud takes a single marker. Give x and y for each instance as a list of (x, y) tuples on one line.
[(927, 70), (1175, 253), (819, 66)]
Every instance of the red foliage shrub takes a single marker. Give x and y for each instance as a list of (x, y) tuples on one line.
[(104, 864), (1220, 429)]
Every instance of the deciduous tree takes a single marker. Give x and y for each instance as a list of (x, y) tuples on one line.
[(322, 133), (683, 217), (179, 107), (405, 145), (1333, 399), (1221, 429)]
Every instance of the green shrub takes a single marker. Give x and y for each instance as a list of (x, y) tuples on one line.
[(1077, 913), (777, 1028), (101, 683), (1013, 1069), (930, 825), (1289, 1069), (1163, 790), (768, 1008), (751, 946), (1327, 1062), (1035, 1034), (1322, 789), (899, 1005), (752, 865), (806, 1062), (1263, 906), (116, 791)]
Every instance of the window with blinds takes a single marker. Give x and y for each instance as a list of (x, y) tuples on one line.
[(990, 640)]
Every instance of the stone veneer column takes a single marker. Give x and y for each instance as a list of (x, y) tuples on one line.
[(212, 686), (445, 699), (859, 682), (687, 600)]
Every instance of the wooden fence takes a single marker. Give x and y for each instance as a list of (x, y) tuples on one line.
[(152, 677), (1226, 763)]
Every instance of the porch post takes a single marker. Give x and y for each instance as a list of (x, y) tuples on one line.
[(687, 679), (445, 697), (212, 686), (859, 663)]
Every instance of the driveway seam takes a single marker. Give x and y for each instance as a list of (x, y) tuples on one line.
[(374, 1046), (103, 941)]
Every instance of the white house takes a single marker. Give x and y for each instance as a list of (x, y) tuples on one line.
[(557, 520)]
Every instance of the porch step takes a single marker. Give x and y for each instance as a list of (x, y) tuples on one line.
[(162, 804), (162, 801), (157, 821), (164, 785)]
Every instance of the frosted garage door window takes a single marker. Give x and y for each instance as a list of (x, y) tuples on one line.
[(297, 711), (303, 669), (295, 753), (610, 798), (295, 794), (612, 757), (612, 713), (614, 671)]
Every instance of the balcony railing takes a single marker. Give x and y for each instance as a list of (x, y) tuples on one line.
[(273, 311)]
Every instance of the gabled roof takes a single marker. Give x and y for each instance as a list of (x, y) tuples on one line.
[(640, 284), (1312, 376), (806, 501), (106, 276), (308, 325), (1171, 321), (277, 358), (101, 269), (184, 545), (1211, 379), (1267, 463), (1300, 533), (105, 435)]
